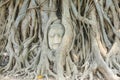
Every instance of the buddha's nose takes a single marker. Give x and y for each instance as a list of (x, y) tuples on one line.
[(57, 39)]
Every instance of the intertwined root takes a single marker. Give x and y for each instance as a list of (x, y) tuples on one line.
[(89, 49)]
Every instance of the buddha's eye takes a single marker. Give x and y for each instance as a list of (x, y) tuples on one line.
[(60, 35), (52, 35)]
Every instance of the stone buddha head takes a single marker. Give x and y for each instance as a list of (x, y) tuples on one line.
[(55, 35)]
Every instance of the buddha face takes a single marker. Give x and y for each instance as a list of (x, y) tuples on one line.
[(55, 35)]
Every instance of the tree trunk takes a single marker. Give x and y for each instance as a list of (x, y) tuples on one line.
[(88, 34)]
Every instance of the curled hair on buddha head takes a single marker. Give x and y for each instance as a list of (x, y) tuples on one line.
[(56, 24)]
